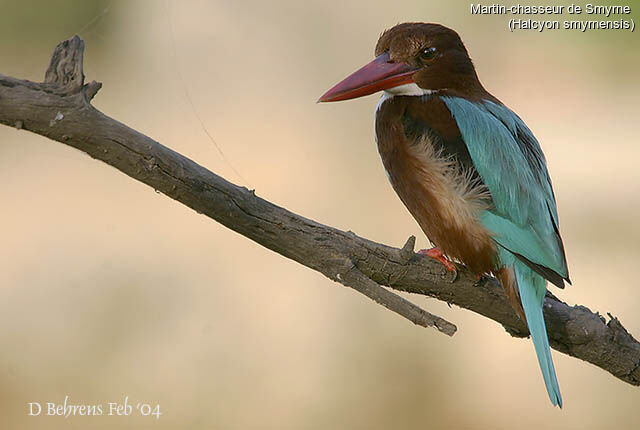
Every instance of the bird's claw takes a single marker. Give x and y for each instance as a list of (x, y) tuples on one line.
[(481, 279), (437, 254)]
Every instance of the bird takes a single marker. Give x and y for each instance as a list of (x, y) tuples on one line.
[(467, 168)]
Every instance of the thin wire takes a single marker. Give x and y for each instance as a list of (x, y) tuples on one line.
[(96, 18), (188, 96)]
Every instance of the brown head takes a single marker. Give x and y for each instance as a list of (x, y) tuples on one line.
[(413, 59)]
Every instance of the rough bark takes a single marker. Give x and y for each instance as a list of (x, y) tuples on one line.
[(59, 108)]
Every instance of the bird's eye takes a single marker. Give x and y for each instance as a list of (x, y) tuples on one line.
[(427, 54)]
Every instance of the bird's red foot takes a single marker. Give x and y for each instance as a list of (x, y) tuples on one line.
[(436, 254)]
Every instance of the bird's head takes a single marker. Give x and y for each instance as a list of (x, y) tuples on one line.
[(411, 59)]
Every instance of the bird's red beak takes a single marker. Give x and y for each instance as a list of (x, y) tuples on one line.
[(380, 74)]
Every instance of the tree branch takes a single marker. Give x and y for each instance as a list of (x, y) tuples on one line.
[(59, 109)]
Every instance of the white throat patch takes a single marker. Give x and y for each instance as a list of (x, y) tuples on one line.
[(411, 89), (403, 90)]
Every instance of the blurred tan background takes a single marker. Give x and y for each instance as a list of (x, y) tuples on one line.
[(109, 289)]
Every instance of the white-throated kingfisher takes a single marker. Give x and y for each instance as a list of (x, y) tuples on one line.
[(467, 168)]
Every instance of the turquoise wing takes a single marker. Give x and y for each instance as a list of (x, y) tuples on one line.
[(508, 158)]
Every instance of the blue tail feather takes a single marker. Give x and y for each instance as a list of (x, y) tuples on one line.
[(532, 288)]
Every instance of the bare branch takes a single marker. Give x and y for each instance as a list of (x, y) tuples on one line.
[(354, 278), (59, 109)]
